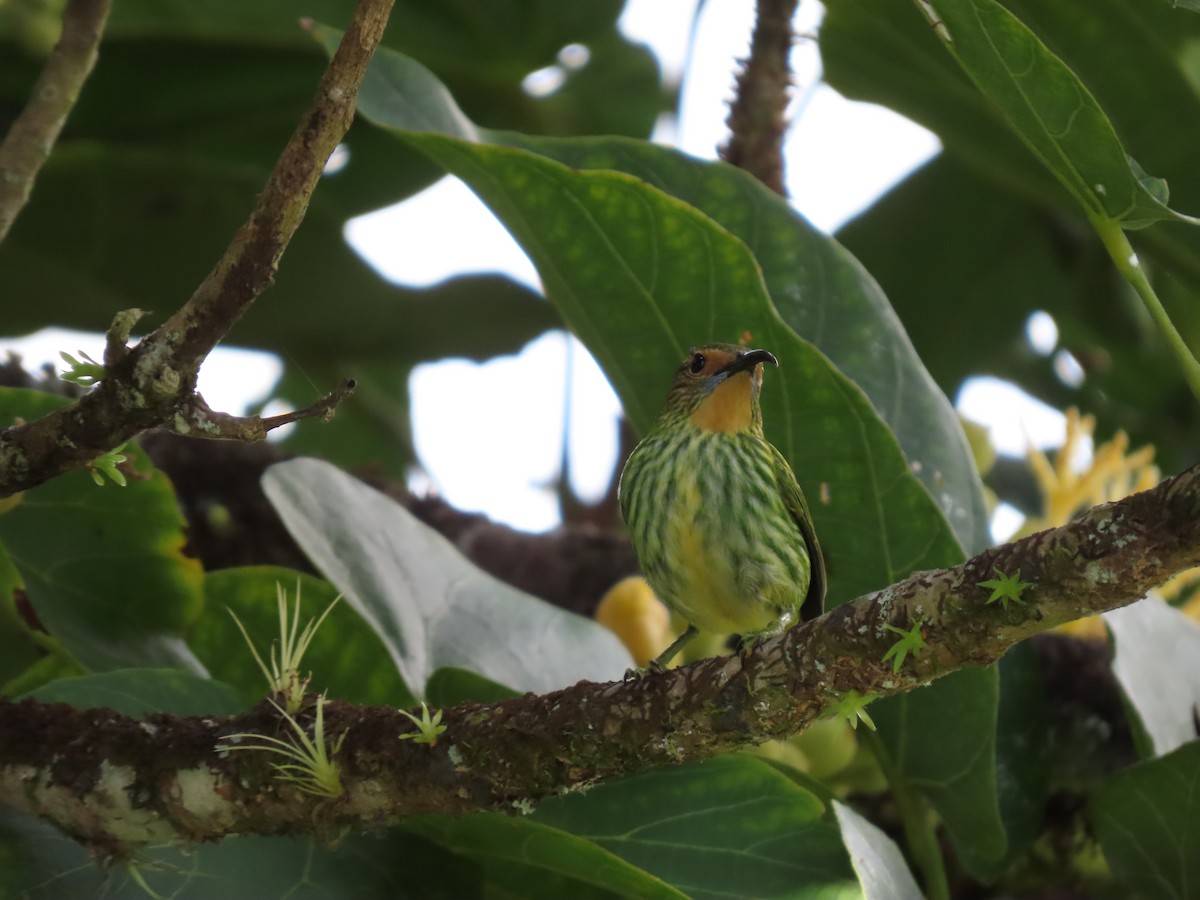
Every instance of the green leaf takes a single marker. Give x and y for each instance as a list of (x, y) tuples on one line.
[(76, 546), (346, 658), (429, 605), (728, 827), (884, 52), (1051, 110), (1023, 746), (877, 861), (136, 692), (449, 686), (1148, 821), (41, 863), (1157, 663), (951, 759), (497, 841)]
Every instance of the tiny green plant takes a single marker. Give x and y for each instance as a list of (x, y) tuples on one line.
[(283, 675), (429, 729), (1006, 587), (106, 467), (312, 767), (134, 870), (83, 372), (852, 706), (911, 641)]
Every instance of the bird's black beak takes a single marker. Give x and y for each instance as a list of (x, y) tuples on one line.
[(746, 360)]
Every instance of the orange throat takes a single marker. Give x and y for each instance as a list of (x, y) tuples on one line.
[(728, 408)]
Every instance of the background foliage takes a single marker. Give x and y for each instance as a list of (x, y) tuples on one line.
[(642, 252)]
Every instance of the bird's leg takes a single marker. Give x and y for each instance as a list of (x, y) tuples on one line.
[(659, 663), (780, 625)]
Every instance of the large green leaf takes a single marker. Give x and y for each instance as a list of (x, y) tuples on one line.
[(1051, 110), (541, 854), (345, 658), (728, 827), (824, 295), (1148, 820), (103, 566), (430, 606), (954, 765)]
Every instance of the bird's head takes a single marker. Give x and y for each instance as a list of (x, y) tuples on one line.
[(716, 387)]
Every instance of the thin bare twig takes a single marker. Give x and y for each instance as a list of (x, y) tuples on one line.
[(756, 115), (152, 385), (116, 783), (31, 137)]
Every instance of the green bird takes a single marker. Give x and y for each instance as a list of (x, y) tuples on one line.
[(719, 524)]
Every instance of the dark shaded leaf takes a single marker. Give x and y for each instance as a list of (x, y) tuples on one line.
[(549, 858), (728, 827), (136, 692), (953, 764), (1148, 820), (41, 863), (77, 547)]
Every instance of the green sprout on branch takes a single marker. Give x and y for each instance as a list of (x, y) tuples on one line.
[(312, 768), (106, 466), (1006, 587), (852, 706), (428, 729), (283, 675), (911, 641), (83, 372)]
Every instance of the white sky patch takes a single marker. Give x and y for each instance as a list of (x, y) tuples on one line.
[(1014, 419), (491, 435), (441, 232)]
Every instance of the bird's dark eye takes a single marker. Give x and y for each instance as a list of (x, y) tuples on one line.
[(697, 363)]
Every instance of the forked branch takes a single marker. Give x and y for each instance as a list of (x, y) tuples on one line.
[(152, 385)]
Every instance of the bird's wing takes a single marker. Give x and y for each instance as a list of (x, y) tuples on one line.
[(797, 506)]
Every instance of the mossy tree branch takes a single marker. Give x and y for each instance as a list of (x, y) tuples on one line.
[(116, 784), (152, 384), (28, 143)]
